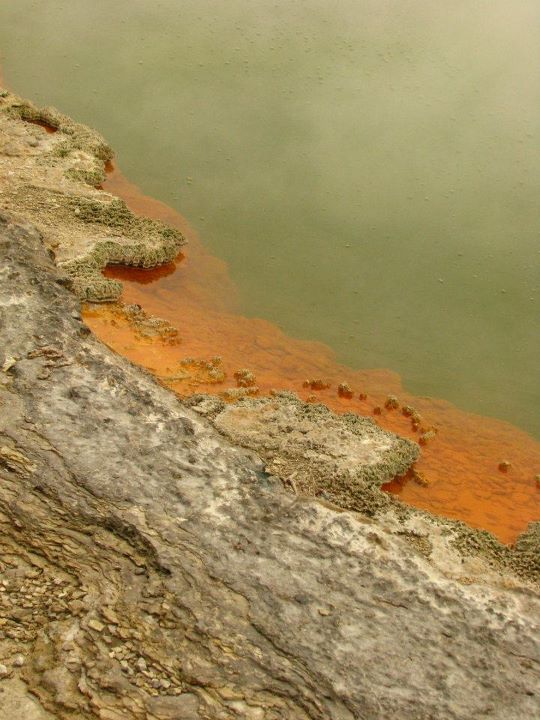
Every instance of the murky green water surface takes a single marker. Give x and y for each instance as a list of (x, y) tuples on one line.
[(370, 169)]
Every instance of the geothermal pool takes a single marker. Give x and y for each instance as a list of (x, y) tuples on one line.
[(369, 171)]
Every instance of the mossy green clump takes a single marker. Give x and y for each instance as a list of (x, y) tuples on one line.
[(88, 283), (522, 559), (116, 215), (237, 393), (396, 461), (244, 378), (30, 113), (108, 231), (129, 239), (343, 459), (94, 177), (97, 289), (113, 214), (419, 541), (470, 541)]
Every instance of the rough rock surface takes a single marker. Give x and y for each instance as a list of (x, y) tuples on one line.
[(342, 458), (150, 569)]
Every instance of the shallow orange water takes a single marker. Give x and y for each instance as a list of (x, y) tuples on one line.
[(195, 294)]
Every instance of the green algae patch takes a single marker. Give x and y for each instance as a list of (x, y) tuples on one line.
[(521, 559), (527, 551), (141, 243), (109, 233), (85, 273)]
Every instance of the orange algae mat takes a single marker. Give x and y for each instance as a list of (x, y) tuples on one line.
[(460, 462)]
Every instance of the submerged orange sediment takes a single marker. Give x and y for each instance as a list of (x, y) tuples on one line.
[(458, 474)]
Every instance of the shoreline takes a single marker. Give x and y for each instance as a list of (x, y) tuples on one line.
[(153, 563), (466, 445), (50, 174), (458, 470)]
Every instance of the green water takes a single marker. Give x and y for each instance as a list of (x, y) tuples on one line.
[(370, 169)]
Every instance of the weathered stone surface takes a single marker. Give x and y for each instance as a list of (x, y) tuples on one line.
[(120, 505), (340, 458), (17, 704)]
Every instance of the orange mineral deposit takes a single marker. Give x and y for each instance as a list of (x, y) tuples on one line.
[(459, 474)]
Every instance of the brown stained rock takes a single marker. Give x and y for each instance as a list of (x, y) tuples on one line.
[(244, 378), (316, 384), (94, 624), (391, 403), (427, 437), (183, 706), (345, 391)]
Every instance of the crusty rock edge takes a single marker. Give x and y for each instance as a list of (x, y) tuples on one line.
[(51, 179), (55, 191)]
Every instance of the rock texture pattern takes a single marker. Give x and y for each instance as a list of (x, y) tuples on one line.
[(342, 458), (152, 570)]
